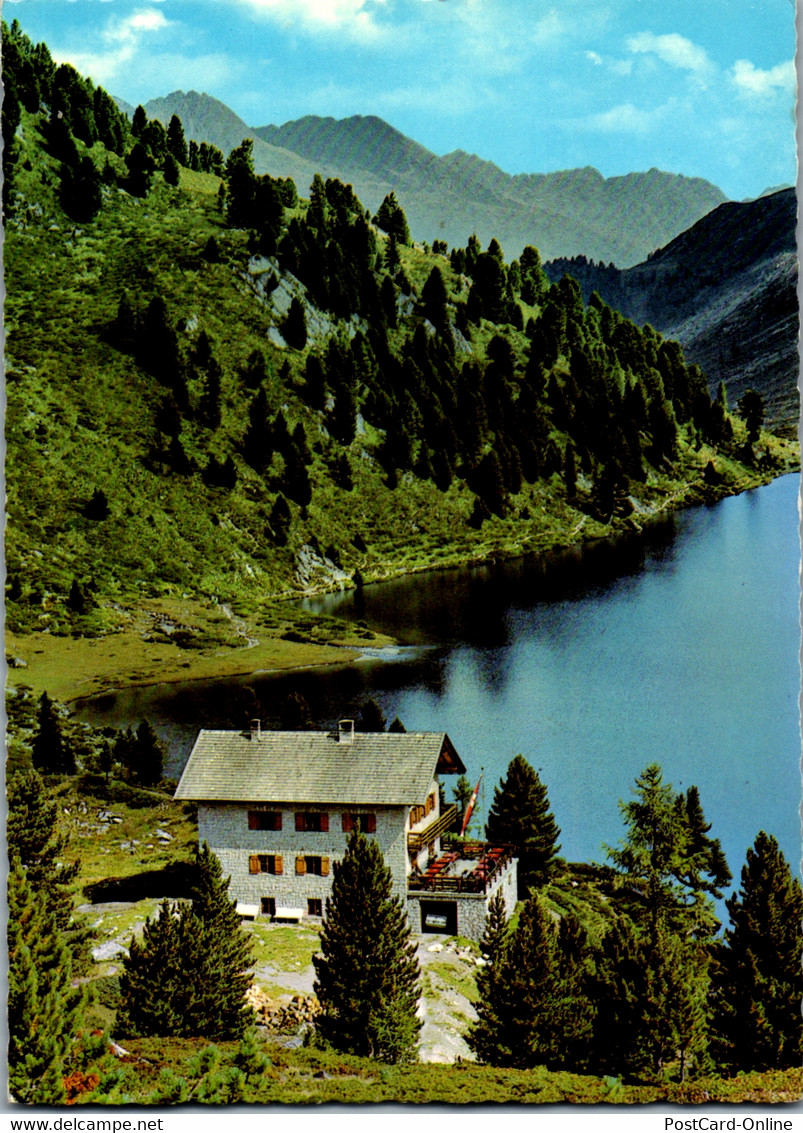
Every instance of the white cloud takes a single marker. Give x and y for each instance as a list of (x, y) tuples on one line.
[(623, 119), (620, 67), (752, 80), (355, 18), (123, 37), (673, 49)]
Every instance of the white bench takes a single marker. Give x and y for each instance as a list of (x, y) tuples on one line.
[(284, 914)]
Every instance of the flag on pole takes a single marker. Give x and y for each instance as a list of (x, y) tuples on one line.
[(471, 804)]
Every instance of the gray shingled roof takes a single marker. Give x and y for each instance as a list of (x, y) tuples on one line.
[(381, 768)]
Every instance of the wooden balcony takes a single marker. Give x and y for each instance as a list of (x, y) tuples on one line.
[(439, 824)]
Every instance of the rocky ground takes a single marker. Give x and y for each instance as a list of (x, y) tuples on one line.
[(448, 972)]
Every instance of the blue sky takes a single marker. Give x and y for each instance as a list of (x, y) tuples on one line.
[(700, 87)]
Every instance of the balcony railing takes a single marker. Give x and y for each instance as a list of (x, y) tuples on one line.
[(439, 824), (440, 878)]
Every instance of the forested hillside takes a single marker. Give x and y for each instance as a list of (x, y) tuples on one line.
[(220, 391), (727, 290)]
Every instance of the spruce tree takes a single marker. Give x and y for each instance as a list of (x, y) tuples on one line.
[(140, 170), (495, 938), (242, 186), (158, 979), (371, 718), (43, 1009), (391, 219), (367, 975), (51, 753), (146, 759), (176, 143), (520, 816), (34, 839), (188, 975), (279, 520), (224, 975), (751, 410), (758, 982), (619, 992), (77, 601), (80, 194), (518, 1018), (294, 327)]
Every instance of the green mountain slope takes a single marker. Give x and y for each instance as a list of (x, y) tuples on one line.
[(219, 394), (569, 213)]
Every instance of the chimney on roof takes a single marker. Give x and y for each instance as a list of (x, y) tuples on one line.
[(345, 731), (256, 729)]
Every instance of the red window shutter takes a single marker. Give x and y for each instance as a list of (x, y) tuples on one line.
[(301, 866), (370, 823), (348, 824), (325, 823), (299, 821), (277, 824), (279, 864), (253, 864), (253, 820), (324, 867)]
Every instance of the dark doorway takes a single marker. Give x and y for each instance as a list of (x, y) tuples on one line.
[(439, 916)]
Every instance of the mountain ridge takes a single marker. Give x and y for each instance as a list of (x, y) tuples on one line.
[(726, 289), (570, 212)]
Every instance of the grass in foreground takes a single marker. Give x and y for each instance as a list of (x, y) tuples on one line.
[(310, 1077)]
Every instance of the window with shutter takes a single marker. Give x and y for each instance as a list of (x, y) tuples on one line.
[(279, 864), (253, 864), (348, 824), (324, 867), (370, 824), (301, 866), (313, 822), (264, 820)]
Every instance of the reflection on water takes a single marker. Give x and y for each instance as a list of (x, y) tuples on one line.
[(679, 645)]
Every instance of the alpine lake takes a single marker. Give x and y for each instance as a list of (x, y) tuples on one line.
[(678, 645)]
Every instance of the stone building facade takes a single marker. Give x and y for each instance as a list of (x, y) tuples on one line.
[(277, 809)]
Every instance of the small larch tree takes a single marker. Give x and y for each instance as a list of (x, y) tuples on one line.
[(367, 974)]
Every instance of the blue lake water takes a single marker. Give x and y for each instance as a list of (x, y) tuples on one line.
[(679, 646)]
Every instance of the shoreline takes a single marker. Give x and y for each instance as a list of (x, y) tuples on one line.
[(178, 665)]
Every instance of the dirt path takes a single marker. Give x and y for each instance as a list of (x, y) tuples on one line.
[(447, 974)]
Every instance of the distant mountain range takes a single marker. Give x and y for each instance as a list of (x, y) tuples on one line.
[(564, 214), (727, 290), (723, 280)]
